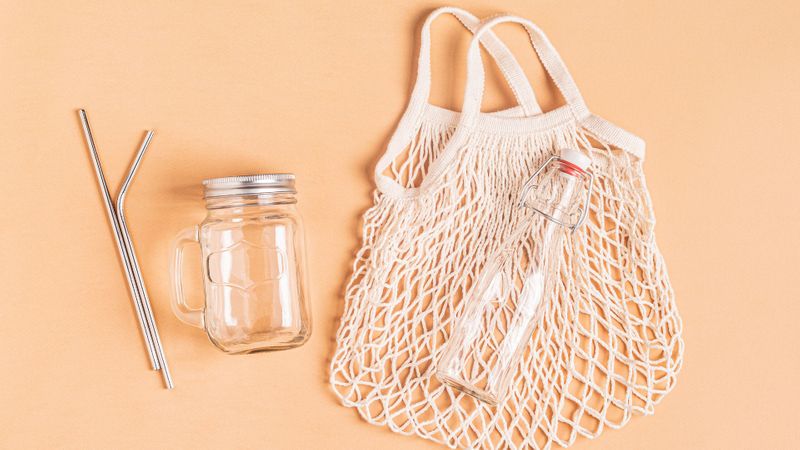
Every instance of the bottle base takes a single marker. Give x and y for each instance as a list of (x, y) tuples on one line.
[(462, 386)]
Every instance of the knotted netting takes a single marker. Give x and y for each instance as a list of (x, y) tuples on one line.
[(608, 342)]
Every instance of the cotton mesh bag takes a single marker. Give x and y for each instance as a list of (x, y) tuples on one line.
[(608, 342)]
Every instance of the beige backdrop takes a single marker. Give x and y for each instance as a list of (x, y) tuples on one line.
[(316, 88)]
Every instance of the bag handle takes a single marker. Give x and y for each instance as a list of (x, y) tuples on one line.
[(551, 60), (601, 129), (510, 68), (406, 128), (473, 92)]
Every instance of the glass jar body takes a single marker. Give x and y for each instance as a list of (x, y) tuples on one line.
[(254, 274)]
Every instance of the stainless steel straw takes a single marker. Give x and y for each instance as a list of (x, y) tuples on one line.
[(137, 272), (126, 251)]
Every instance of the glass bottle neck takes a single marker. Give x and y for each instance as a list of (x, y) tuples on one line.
[(552, 233)]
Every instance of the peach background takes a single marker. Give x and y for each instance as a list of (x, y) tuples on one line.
[(316, 88)]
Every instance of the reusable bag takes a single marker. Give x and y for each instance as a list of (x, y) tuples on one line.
[(608, 343)]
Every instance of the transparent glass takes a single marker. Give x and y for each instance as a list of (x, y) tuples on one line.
[(504, 305), (254, 274)]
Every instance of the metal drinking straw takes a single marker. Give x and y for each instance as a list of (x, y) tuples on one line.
[(137, 272), (127, 253)]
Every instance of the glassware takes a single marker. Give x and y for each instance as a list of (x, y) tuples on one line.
[(505, 304), (254, 266)]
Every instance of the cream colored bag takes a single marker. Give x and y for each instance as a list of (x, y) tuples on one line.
[(608, 344)]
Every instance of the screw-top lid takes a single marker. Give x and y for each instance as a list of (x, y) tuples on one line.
[(272, 183), (576, 157)]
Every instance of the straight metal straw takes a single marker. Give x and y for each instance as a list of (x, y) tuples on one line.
[(101, 179), (137, 272), (125, 249)]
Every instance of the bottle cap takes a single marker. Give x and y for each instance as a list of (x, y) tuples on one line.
[(576, 157)]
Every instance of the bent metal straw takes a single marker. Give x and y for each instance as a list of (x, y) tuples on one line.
[(127, 254)]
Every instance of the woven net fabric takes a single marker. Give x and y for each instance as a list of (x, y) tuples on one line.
[(608, 341)]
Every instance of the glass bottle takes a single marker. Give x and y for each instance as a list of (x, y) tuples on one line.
[(505, 304), (254, 266)]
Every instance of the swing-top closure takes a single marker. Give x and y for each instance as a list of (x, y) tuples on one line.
[(558, 188)]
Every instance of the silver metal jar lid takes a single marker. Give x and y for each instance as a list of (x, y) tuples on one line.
[(272, 183)]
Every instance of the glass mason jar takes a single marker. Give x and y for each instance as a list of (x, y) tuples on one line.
[(254, 266), (505, 304)]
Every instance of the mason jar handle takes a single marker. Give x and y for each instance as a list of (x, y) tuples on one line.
[(180, 308)]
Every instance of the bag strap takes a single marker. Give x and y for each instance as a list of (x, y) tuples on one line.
[(603, 130), (406, 128), (551, 60), (495, 47)]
